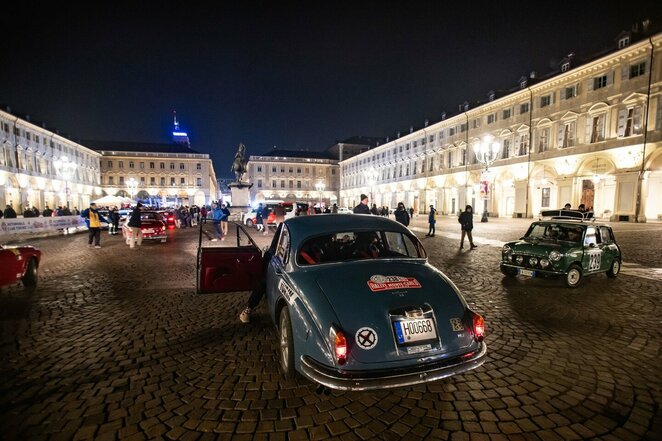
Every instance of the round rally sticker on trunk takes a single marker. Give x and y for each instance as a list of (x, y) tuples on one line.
[(366, 338)]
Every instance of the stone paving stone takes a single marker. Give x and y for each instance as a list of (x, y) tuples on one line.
[(153, 362)]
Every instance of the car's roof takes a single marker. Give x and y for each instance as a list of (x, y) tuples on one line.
[(313, 225), (575, 222)]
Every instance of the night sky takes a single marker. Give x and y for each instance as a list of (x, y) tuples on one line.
[(267, 74)]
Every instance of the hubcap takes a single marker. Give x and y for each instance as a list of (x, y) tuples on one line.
[(573, 277), (617, 267)]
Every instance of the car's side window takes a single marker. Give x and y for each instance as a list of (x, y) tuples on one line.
[(591, 237), (283, 247), (606, 236), (402, 244)]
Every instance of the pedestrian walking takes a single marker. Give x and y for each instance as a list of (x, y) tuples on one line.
[(216, 216), (411, 213), (401, 214), (466, 221), (432, 220), (93, 220), (362, 207), (258, 217), (135, 223)]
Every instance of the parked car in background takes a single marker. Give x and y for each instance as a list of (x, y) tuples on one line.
[(344, 210), (153, 227), (19, 264), (292, 209), (567, 245), (355, 302)]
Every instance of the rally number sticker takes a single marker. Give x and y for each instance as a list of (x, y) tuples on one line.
[(594, 260)]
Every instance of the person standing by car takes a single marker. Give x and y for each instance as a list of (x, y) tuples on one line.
[(432, 220), (259, 291), (401, 214), (362, 207), (265, 219), (93, 220), (216, 216), (224, 220), (279, 214), (114, 224), (466, 221), (135, 223)]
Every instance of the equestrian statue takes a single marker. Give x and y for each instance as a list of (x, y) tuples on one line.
[(239, 163)]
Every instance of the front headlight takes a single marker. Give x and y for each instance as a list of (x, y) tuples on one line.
[(506, 249), (555, 256), (544, 263)]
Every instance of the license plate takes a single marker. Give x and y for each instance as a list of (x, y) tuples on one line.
[(527, 273), (408, 331), (148, 231)]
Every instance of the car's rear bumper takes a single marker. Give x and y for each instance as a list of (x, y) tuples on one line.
[(541, 272), (391, 378)]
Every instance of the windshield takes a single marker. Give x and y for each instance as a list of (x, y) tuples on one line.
[(359, 245), (150, 215), (553, 231)]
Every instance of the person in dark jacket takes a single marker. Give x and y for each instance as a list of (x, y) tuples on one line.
[(93, 220), (114, 218), (362, 208), (9, 212), (47, 212), (216, 217), (401, 214), (432, 220), (135, 223), (466, 221)]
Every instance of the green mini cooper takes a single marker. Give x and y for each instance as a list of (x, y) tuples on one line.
[(568, 245)]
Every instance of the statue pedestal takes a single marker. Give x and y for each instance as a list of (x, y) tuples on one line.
[(240, 198)]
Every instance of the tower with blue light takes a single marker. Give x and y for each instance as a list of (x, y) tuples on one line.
[(179, 136)]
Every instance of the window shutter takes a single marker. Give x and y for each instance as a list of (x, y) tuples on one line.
[(553, 99), (577, 89), (559, 139), (636, 120), (622, 115), (610, 78), (625, 72), (587, 129), (589, 84), (517, 145)]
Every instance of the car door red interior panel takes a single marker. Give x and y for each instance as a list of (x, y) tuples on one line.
[(229, 269)]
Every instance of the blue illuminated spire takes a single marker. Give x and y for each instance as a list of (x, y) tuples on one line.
[(179, 136)]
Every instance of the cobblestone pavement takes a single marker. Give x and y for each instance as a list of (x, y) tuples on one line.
[(115, 344)]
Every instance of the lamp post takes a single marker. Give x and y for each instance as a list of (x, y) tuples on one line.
[(320, 187), (371, 178), (131, 185), (487, 151), (65, 169)]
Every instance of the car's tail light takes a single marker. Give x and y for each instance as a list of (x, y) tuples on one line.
[(479, 327), (339, 345)]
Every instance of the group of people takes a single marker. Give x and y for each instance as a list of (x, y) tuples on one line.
[(262, 217), (10, 213), (94, 218)]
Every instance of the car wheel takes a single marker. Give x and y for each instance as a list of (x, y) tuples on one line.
[(249, 223), (573, 277), (286, 344), (509, 272), (615, 269), (31, 274)]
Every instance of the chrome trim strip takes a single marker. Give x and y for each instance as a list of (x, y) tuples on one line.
[(388, 379)]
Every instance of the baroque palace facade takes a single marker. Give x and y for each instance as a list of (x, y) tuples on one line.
[(39, 167), (589, 133)]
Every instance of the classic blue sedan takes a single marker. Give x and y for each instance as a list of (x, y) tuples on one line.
[(355, 301)]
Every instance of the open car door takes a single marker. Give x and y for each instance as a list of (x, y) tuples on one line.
[(232, 264)]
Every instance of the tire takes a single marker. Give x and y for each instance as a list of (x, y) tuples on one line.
[(286, 344), (249, 223), (31, 276), (615, 269), (574, 276), (509, 272)]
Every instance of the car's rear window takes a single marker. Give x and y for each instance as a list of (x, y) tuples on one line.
[(358, 245)]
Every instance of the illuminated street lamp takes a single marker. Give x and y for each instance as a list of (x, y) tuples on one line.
[(132, 186), (371, 178), (320, 187), (487, 151), (65, 169)]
